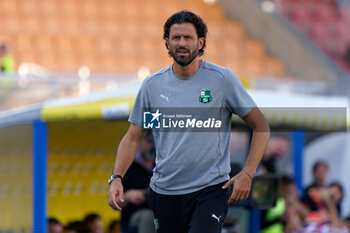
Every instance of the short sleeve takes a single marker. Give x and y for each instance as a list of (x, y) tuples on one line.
[(237, 99), (141, 105)]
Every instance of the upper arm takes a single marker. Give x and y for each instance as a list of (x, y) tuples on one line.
[(256, 120), (237, 100), (135, 133)]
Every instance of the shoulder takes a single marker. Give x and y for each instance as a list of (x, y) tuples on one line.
[(157, 75), (222, 72)]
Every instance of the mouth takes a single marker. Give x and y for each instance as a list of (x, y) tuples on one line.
[(182, 52)]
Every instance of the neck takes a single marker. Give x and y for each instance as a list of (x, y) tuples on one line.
[(319, 183), (189, 70)]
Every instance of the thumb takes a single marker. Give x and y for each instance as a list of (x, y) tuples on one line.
[(121, 195)]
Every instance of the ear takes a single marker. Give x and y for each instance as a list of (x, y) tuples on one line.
[(167, 43), (201, 42)]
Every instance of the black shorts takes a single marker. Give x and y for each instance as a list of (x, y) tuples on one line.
[(203, 211)]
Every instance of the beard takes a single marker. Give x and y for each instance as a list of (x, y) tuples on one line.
[(183, 60)]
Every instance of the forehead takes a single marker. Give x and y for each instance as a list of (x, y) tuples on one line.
[(321, 167), (335, 188), (183, 28)]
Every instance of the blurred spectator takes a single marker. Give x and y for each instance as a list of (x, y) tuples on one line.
[(69, 229), (276, 148), (78, 227), (94, 223), (327, 219), (7, 63), (136, 214), (347, 222), (347, 56), (114, 227), (320, 174), (337, 193), (54, 226), (286, 216)]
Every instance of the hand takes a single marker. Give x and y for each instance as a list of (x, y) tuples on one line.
[(135, 196), (241, 187), (324, 194), (116, 194)]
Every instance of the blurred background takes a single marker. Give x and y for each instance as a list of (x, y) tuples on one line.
[(70, 70)]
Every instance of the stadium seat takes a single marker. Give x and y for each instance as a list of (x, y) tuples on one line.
[(30, 25), (275, 67), (254, 49), (69, 7), (324, 12), (48, 8), (300, 13), (344, 13), (235, 30), (71, 26), (11, 25), (44, 43), (8, 8), (51, 24), (88, 8), (27, 7)]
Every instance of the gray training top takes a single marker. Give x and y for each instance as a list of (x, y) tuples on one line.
[(187, 161)]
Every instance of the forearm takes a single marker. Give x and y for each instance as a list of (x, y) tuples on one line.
[(125, 155), (258, 144), (335, 220), (126, 152), (261, 134)]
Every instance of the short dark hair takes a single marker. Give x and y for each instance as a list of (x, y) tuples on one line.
[(187, 17), (317, 164), (286, 180), (91, 217), (340, 188), (347, 218), (53, 221), (112, 224)]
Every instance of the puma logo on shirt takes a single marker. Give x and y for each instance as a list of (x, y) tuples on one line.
[(165, 97), (217, 218)]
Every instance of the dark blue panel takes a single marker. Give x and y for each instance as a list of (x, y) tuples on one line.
[(254, 221), (40, 145), (298, 145)]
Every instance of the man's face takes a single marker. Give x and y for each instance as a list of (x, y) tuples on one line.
[(97, 226), (55, 228), (335, 193), (183, 43), (321, 174)]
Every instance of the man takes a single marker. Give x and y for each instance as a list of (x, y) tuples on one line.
[(190, 187), (288, 212), (320, 174), (114, 227), (276, 148), (7, 67), (94, 222), (54, 226), (7, 64), (327, 218)]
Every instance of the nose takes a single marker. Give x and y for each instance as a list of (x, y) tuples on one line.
[(182, 42)]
